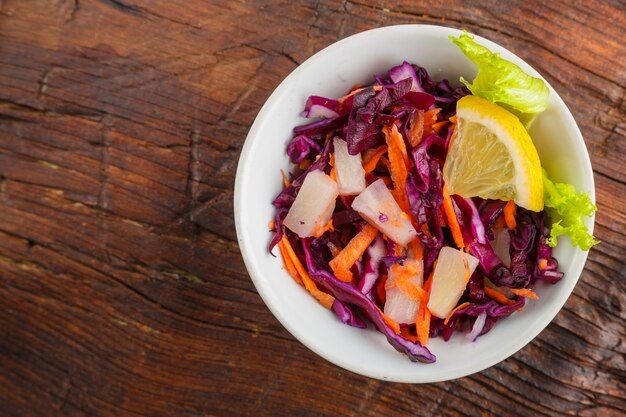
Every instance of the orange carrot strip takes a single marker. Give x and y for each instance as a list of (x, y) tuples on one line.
[(272, 225), (500, 223), (509, 215), (370, 164), (422, 324), (543, 264), (442, 217), (438, 126), (342, 263), (324, 299), (524, 292), (320, 230), (399, 170), (453, 223), (406, 333), (389, 321), (289, 266), (430, 118), (417, 128), (417, 248), (453, 119), (498, 296), (454, 310), (399, 141), (305, 164), (408, 288), (285, 179)]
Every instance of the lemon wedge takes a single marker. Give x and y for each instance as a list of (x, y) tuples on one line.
[(492, 156)]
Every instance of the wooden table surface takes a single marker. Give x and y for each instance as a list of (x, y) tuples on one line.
[(122, 288)]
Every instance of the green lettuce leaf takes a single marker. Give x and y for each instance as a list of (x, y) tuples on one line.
[(501, 81), (567, 209)]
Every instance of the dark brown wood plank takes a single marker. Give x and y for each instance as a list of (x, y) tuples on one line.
[(122, 290)]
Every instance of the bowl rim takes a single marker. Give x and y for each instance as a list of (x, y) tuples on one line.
[(255, 272)]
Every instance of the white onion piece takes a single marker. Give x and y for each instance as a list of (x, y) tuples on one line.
[(398, 305), (379, 208), (349, 169), (449, 280), (501, 244), (314, 204)]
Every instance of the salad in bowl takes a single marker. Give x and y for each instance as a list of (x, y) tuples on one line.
[(419, 205)]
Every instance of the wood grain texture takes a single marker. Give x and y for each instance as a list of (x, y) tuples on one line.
[(122, 290)]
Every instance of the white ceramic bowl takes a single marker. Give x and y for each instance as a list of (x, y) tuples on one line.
[(331, 72)]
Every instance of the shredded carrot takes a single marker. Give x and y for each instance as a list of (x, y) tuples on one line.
[(389, 321), (305, 164), (289, 266), (543, 264), (422, 324), (438, 126), (417, 248), (398, 168), (500, 223), (285, 178), (403, 277), (406, 333), (320, 230), (498, 296), (370, 164), (342, 263), (417, 128), (399, 141), (453, 222), (454, 310), (430, 118), (271, 225), (524, 292), (380, 289), (453, 119), (324, 299), (442, 217), (509, 215)]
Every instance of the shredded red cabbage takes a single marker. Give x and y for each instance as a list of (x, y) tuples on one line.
[(397, 98)]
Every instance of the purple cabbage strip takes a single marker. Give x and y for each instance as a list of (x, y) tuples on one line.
[(300, 147), (317, 106), (463, 220), (406, 71), (424, 79), (371, 275), (485, 254), (470, 211), (348, 293), (278, 224), (490, 211), (362, 131), (477, 327), (347, 316), (423, 188), (320, 126), (345, 216)]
